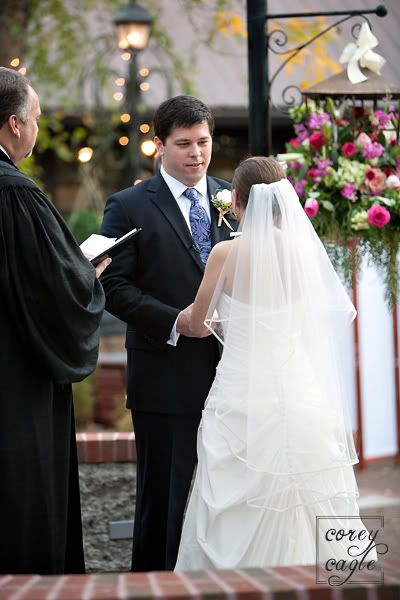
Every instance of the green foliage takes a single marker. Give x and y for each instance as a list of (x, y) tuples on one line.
[(84, 222)]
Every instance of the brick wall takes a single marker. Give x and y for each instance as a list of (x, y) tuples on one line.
[(284, 583)]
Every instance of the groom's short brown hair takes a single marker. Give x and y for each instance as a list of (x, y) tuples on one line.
[(180, 111)]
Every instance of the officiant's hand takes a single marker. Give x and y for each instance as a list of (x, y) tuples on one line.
[(102, 266), (184, 325)]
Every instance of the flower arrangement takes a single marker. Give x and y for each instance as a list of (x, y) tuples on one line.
[(222, 200), (345, 166)]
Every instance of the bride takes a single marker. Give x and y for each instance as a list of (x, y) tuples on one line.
[(275, 447)]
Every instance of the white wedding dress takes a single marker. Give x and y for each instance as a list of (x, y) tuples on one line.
[(274, 452), (222, 529)]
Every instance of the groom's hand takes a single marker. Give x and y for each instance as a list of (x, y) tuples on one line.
[(184, 326)]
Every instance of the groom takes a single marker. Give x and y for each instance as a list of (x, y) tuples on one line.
[(147, 286)]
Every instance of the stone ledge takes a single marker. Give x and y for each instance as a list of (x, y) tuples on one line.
[(279, 583), (106, 447)]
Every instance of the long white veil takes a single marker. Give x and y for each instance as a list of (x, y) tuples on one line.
[(280, 311)]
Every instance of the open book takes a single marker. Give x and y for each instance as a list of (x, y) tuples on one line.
[(98, 247)]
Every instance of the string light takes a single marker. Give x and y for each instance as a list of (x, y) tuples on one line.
[(148, 147), (123, 140), (85, 154), (118, 96), (144, 72), (137, 181), (144, 86), (144, 128), (120, 81), (22, 70), (125, 117), (14, 62), (125, 56)]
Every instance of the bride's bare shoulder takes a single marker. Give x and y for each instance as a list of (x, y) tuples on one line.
[(221, 250)]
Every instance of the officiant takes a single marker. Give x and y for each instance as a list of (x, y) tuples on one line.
[(50, 308)]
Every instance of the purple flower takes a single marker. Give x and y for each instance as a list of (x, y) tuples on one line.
[(295, 165), (299, 186), (373, 150), (318, 119), (324, 164), (301, 132), (382, 119), (349, 191)]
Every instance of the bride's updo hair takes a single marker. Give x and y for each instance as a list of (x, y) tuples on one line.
[(256, 169)]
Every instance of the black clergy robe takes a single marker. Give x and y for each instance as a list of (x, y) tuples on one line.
[(50, 308)]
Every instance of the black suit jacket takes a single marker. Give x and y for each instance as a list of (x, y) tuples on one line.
[(148, 283)]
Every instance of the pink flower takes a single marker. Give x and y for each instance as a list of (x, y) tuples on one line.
[(362, 140), (349, 149), (295, 142), (317, 140), (349, 191), (393, 182), (378, 216), (373, 150), (375, 180), (311, 207)]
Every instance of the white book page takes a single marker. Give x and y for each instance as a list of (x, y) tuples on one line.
[(96, 244)]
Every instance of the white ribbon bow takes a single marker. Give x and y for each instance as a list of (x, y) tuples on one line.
[(360, 54)]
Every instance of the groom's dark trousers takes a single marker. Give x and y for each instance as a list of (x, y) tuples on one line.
[(147, 284)]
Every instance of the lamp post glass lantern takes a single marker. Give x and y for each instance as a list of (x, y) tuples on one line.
[(133, 24)]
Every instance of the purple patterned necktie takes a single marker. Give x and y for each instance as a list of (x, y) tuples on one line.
[(200, 224)]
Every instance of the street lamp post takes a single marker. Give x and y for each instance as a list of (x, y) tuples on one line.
[(259, 45), (133, 24)]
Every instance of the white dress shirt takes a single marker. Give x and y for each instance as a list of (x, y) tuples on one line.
[(5, 151), (177, 188)]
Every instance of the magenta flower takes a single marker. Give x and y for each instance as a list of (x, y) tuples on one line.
[(299, 186), (349, 149), (378, 216), (349, 191), (295, 142), (315, 174), (373, 150), (317, 140), (311, 207)]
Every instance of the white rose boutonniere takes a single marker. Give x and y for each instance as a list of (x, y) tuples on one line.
[(222, 200)]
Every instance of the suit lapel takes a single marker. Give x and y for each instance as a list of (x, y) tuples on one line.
[(161, 196)]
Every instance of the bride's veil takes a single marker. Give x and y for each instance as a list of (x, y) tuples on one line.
[(280, 311)]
